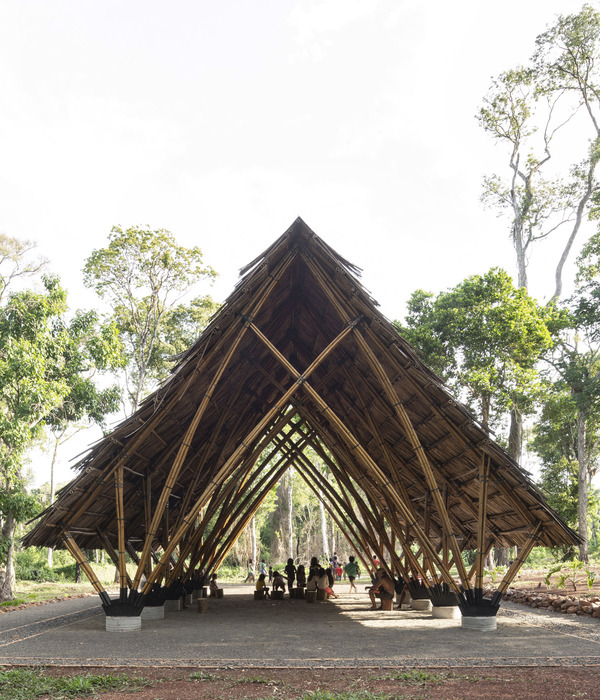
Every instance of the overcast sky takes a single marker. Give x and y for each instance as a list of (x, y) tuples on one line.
[(224, 121)]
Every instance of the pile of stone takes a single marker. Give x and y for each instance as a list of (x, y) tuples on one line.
[(569, 604)]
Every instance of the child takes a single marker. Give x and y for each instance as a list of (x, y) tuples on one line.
[(213, 586), (329, 586), (278, 582), (290, 573), (261, 585), (301, 574)]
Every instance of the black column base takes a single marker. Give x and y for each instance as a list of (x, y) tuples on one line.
[(473, 604), (128, 604), (442, 596), (417, 589)]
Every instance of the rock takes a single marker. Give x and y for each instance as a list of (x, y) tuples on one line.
[(572, 609)]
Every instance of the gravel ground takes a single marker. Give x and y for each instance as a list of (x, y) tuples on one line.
[(239, 632)]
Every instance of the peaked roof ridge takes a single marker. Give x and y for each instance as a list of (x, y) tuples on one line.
[(302, 233)]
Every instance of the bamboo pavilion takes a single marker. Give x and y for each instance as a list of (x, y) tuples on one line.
[(300, 357)]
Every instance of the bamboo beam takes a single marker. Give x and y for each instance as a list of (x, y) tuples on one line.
[(120, 527), (360, 476), (242, 447), (404, 420), (79, 557), (484, 472), (518, 562), (110, 550)]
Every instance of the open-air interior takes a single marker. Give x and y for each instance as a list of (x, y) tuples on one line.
[(300, 369)]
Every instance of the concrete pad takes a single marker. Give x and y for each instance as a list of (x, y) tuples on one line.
[(338, 632)]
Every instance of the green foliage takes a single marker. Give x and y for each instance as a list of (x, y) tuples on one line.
[(485, 336), (32, 565), (142, 274), (30, 683), (495, 573), (573, 572)]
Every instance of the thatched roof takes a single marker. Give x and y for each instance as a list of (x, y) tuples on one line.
[(370, 406)]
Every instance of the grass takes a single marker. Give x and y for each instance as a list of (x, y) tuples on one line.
[(203, 676), (414, 677), (39, 591), (28, 684)]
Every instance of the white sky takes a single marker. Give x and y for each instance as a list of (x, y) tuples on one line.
[(224, 121)]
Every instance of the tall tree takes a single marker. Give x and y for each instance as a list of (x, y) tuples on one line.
[(484, 337), (17, 262), (536, 112), (576, 380), (143, 274), (92, 348), (39, 351)]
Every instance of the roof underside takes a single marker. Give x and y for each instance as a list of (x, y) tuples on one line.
[(291, 304)]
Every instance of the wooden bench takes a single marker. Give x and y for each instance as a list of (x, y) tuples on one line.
[(387, 604), (322, 594), (277, 595), (217, 594), (202, 605), (311, 596), (261, 594)]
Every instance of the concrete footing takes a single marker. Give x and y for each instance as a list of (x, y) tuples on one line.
[(189, 599), (123, 624), (153, 612), (173, 605), (420, 604), (446, 612), (482, 624)]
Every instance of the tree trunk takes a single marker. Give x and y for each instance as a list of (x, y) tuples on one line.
[(52, 463), (323, 526), (515, 450), (583, 487), (8, 534), (290, 513), (253, 542), (515, 437)]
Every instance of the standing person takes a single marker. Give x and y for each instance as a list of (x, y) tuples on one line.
[(270, 574), (290, 573), (263, 567), (250, 577), (301, 576), (352, 572), (338, 571)]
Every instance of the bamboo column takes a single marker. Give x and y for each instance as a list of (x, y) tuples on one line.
[(484, 472), (82, 560), (121, 530)]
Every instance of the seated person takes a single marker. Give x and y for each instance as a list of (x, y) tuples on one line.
[(313, 577), (301, 574), (213, 586), (261, 585), (329, 586), (278, 582), (383, 588)]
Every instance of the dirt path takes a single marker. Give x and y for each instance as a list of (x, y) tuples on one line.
[(535, 683)]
